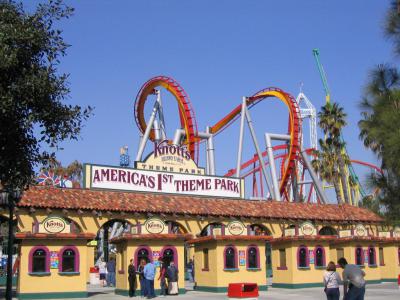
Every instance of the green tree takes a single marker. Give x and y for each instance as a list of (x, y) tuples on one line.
[(332, 119), (33, 116), (325, 164)]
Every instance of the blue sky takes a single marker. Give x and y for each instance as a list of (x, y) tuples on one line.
[(218, 51)]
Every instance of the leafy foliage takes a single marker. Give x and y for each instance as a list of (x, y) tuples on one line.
[(32, 113)]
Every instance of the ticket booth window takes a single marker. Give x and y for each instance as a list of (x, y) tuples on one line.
[(319, 257), (302, 257), (230, 257), (142, 254), (68, 261), (371, 256), (253, 261), (359, 256), (39, 261), (381, 257)]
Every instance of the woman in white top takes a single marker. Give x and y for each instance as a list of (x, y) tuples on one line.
[(103, 272), (331, 282)]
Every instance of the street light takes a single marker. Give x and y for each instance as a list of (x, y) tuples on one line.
[(10, 198)]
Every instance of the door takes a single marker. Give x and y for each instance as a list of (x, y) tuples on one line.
[(268, 260)]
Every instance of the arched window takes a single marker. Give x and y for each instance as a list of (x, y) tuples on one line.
[(328, 230), (142, 253), (319, 254), (371, 256), (39, 260), (169, 254), (69, 259), (359, 256), (253, 257), (302, 257), (212, 229), (230, 257), (258, 229)]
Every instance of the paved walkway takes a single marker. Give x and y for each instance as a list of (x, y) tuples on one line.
[(386, 291)]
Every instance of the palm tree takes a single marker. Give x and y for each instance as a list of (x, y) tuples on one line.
[(392, 25), (325, 165), (332, 119)]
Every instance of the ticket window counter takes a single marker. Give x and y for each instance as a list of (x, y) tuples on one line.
[(299, 263), (53, 265), (152, 247), (220, 260)]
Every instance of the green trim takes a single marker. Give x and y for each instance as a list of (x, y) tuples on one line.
[(297, 285), (375, 281), (320, 267), (216, 289), (211, 289), (253, 269), (231, 270), (69, 273), (39, 274), (389, 279), (3, 280), (121, 292), (52, 295)]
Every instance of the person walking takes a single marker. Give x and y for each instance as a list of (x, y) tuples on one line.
[(111, 272), (140, 271), (353, 281), (161, 278), (132, 279), (149, 272), (331, 282), (172, 274), (190, 270), (103, 272)]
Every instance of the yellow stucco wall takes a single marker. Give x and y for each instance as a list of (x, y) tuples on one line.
[(391, 268), (54, 282), (216, 276)]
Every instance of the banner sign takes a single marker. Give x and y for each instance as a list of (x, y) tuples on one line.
[(311, 256), (54, 260), (169, 158), (344, 233), (129, 179)]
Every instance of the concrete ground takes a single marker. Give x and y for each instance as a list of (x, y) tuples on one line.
[(386, 291)]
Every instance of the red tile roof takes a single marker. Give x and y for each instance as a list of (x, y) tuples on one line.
[(128, 236), (85, 199)]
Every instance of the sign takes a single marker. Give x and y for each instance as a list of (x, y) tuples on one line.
[(311, 256), (129, 179), (360, 230), (92, 243), (54, 260), (290, 232), (385, 234), (307, 228), (169, 158), (154, 225), (54, 225), (242, 258), (366, 256), (396, 232), (344, 233), (235, 228)]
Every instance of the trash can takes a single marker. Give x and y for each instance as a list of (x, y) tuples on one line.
[(94, 276), (243, 291)]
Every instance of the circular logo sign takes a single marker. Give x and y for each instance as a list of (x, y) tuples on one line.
[(154, 225), (54, 225), (307, 228), (396, 232), (360, 230), (235, 227)]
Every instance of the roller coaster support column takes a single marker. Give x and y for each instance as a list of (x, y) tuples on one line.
[(147, 132), (239, 156), (268, 138), (259, 154), (314, 177), (210, 151)]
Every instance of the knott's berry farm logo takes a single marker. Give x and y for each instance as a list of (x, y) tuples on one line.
[(54, 225), (235, 227), (169, 158), (360, 230), (154, 226), (307, 228)]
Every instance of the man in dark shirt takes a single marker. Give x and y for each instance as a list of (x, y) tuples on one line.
[(111, 272), (132, 279)]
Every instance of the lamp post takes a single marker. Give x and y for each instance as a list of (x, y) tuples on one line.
[(10, 198)]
